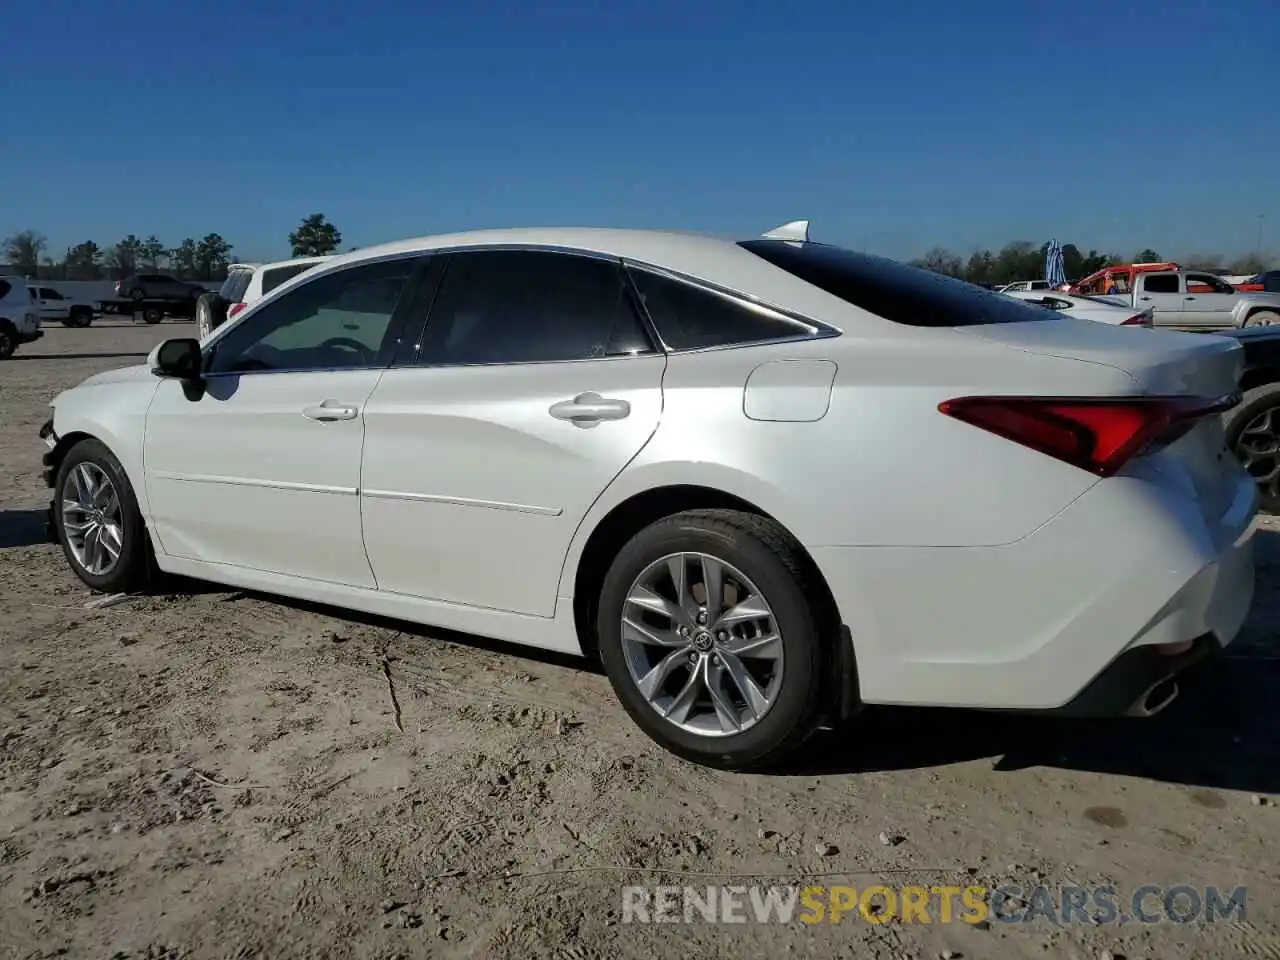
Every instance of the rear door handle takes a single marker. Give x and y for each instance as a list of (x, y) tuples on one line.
[(588, 409), (331, 410)]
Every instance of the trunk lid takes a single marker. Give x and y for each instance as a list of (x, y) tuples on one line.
[(1161, 363)]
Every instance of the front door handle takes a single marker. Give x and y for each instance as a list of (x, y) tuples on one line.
[(331, 410), (1188, 298), (588, 409), (1144, 298)]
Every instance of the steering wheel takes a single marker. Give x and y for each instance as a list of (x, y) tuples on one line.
[(346, 343)]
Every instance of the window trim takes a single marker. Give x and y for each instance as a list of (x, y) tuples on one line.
[(396, 328), (818, 330), (433, 284)]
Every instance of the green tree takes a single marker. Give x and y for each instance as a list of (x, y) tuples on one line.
[(182, 258), (152, 252), (1094, 261), (84, 262), (122, 259), (1072, 259), (940, 260), (1147, 256), (23, 250), (315, 237), (981, 267), (212, 256)]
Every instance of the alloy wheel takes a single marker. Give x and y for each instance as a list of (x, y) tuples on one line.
[(92, 518), (702, 644)]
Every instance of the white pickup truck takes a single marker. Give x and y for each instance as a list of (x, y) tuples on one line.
[(1187, 300), (52, 305)]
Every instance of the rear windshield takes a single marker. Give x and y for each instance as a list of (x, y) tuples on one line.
[(277, 275), (895, 291), (233, 288)]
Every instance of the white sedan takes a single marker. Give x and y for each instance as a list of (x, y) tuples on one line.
[(763, 482), (1097, 309)]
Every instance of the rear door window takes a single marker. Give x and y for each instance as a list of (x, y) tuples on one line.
[(234, 287), (1160, 283), (5, 287), (277, 275), (692, 317), (895, 291)]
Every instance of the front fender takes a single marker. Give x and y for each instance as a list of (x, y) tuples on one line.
[(116, 415)]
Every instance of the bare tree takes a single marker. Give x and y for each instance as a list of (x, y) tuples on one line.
[(23, 251)]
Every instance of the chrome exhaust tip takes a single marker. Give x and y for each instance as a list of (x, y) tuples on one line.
[(1158, 696)]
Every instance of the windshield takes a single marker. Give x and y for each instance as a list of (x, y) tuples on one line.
[(893, 290)]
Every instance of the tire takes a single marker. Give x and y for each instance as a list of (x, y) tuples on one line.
[(211, 313), (1263, 318), (81, 318), (794, 699), (152, 315), (137, 295), (130, 569), (8, 342), (1253, 431)]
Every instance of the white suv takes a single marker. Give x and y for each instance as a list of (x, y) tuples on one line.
[(246, 283), (19, 321)]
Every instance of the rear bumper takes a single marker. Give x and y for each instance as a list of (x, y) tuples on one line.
[(1066, 619), (1139, 682)]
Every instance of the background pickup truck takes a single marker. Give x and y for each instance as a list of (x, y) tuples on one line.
[(1185, 300), (52, 305)]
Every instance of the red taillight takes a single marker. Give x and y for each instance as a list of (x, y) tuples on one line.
[(234, 309), (1137, 320), (1096, 434)]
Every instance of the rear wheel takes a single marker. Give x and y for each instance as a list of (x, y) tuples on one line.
[(1253, 433), (98, 522), (709, 639), (8, 342), (1262, 318), (81, 318), (152, 315), (137, 295)]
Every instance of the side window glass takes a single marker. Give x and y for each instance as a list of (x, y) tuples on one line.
[(689, 316), (340, 320), (518, 306), (1161, 283)]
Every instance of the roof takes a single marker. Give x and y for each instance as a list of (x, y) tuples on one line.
[(714, 260)]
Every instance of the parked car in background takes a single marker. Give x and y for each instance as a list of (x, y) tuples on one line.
[(246, 283), (1190, 300), (157, 286), (1086, 308), (52, 305), (19, 320), (1253, 427), (713, 465), (1122, 277), (1024, 285), (1268, 281)]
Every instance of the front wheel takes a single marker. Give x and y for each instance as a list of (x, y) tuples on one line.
[(1262, 318), (8, 342), (710, 639), (152, 315), (98, 522)]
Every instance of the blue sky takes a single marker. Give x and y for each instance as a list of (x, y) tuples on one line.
[(892, 126)]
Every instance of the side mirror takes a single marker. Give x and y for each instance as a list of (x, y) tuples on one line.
[(179, 358)]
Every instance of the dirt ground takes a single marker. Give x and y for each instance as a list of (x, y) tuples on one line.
[(208, 774)]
